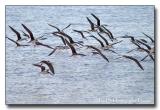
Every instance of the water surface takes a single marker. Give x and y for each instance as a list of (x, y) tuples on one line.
[(79, 80)]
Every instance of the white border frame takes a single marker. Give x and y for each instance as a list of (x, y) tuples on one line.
[(70, 2)]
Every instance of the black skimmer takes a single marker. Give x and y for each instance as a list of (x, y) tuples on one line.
[(50, 66)]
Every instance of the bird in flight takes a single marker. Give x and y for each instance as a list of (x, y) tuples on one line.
[(18, 44), (50, 66)]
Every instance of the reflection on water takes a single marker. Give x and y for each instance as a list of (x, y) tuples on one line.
[(78, 80)]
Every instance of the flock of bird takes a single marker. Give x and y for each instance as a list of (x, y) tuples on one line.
[(103, 36)]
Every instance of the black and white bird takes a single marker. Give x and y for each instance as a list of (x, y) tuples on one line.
[(50, 66)]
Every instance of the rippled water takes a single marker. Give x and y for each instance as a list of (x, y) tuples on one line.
[(79, 80)]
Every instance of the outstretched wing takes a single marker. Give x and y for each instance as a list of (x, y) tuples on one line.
[(109, 32), (49, 64), (66, 35), (66, 27), (98, 40), (80, 32), (71, 47), (29, 31), (98, 20), (42, 67), (99, 52), (144, 44), (39, 43), (105, 40), (17, 33), (13, 41), (52, 51), (55, 27), (148, 37), (91, 23), (135, 60)]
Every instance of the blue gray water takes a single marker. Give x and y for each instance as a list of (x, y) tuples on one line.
[(79, 80)]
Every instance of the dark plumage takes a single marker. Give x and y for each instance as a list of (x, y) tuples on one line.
[(98, 20), (66, 27), (25, 34), (49, 64), (80, 32), (149, 37), (65, 35), (109, 32), (60, 36), (148, 52), (105, 40), (39, 43), (91, 24), (73, 49), (16, 32), (133, 59), (144, 44), (52, 51), (143, 40), (102, 45), (55, 27), (59, 30), (18, 44), (40, 66), (30, 32), (99, 52)]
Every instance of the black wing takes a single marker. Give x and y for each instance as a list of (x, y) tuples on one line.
[(17, 33), (135, 60), (148, 37), (98, 40), (71, 47), (13, 41), (136, 44), (103, 39), (67, 36), (25, 34), (109, 32), (144, 44), (60, 37), (80, 32), (91, 24), (66, 27), (148, 52), (49, 64), (116, 42), (29, 31), (98, 20), (52, 51), (42, 67), (55, 27), (99, 52), (39, 43), (143, 40)]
